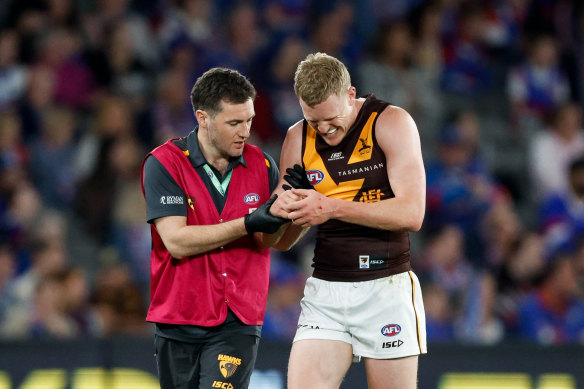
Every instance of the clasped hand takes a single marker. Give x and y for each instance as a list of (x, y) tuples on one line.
[(304, 207), (300, 202)]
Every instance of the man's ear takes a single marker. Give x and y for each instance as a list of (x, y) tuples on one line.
[(202, 117), (352, 92)]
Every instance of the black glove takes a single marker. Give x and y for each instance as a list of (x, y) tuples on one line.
[(261, 220), (297, 179)]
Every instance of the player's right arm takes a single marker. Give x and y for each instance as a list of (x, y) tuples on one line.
[(290, 155)]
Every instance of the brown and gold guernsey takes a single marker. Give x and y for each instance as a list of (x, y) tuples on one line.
[(354, 170)]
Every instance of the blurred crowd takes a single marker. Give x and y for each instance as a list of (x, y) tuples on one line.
[(496, 88)]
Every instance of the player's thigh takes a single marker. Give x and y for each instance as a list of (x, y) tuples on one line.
[(318, 363), (399, 373), (228, 360), (177, 363)]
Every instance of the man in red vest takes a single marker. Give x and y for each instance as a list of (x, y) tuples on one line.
[(208, 200)]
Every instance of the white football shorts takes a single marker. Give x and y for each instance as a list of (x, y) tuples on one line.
[(381, 319)]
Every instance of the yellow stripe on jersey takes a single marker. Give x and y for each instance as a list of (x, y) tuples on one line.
[(267, 162), (186, 152), (363, 148), (346, 190)]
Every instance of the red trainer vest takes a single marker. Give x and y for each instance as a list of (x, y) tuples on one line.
[(197, 290)]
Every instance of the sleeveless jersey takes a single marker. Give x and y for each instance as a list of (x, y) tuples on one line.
[(354, 170), (197, 290)]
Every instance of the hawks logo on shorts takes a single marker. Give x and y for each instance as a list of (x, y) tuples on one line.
[(228, 365)]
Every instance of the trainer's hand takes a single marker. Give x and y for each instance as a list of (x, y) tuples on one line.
[(297, 179), (261, 220)]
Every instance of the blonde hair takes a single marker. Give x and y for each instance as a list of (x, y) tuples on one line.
[(319, 76)]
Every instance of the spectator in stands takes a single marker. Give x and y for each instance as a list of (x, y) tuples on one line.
[(13, 75), (7, 273), (516, 275), (74, 82), (48, 317), (537, 86), (553, 148), (128, 74), (466, 71), (189, 20), (52, 158), (242, 41), (280, 85), (13, 153), (112, 117), (284, 295), (39, 96), (47, 258), (331, 32), (129, 235), (444, 263), (172, 114), (439, 314), (554, 312), (390, 75), (460, 189), (560, 212), (428, 61), (479, 322)]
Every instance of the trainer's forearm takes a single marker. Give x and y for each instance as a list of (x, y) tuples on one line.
[(192, 240)]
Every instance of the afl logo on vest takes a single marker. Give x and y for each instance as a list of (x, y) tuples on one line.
[(251, 198), (391, 330), (314, 176)]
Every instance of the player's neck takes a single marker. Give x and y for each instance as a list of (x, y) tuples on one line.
[(356, 109)]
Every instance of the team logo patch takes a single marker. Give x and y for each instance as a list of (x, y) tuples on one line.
[(251, 198), (228, 365), (365, 146), (314, 176), (363, 261), (391, 330)]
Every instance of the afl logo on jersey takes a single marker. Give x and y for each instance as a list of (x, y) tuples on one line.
[(314, 176), (251, 198), (391, 330)]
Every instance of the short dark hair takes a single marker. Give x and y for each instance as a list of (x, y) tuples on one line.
[(576, 164), (219, 84)]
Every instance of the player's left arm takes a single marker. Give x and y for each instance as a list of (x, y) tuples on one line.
[(397, 135)]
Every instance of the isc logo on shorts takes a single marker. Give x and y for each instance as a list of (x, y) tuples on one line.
[(251, 198), (314, 176), (391, 330), (394, 344)]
